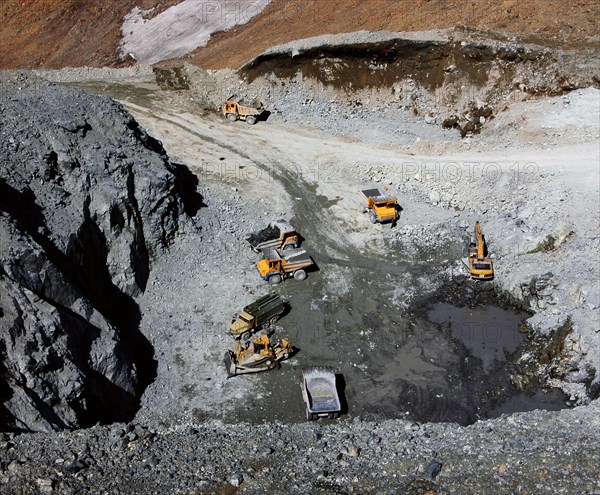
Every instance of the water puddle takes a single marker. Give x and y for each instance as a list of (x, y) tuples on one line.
[(448, 364), (549, 400), (490, 333)]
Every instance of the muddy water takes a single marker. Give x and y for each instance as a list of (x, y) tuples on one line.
[(453, 365), (438, 363), (489, 333)]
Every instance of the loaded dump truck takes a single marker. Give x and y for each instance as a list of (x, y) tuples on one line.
[(236, 108), (256, 355), (319, 392), (276, 265), (262, 313), (280, 234), (382, 208)]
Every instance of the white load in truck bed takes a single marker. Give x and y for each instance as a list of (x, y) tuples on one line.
[(376, 194), (294, 258), (319, 392)]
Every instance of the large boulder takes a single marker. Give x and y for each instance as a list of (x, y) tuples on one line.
[(87, 199)]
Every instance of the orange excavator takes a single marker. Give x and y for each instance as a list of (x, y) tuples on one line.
[(480, 265)]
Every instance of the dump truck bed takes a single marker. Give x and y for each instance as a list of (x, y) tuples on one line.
[(297, 255), (271, 253), (264, 305), (271, 236), (291, 256), (377, 195), (247, 106), (263, 237), (295, 259), (319, 390)]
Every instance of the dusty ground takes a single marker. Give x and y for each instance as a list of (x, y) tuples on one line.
[(391, 309), (365, 310), (540, 452)]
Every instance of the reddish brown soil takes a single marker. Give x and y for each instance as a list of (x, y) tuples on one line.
[(286, 20), (62, 33), (59, 33)]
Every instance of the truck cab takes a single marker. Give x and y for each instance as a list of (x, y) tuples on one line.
[(267, 268), (262, 313), (242, 323), (287, 234), (385, 210), (230, 107)]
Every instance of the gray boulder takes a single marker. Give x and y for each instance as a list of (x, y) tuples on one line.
[(87, 199)]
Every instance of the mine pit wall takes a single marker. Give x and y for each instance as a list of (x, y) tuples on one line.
[(443, 79), (455, 82), (87, 199), (459, 84)]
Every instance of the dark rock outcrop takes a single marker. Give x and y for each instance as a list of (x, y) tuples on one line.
[(87, 199)]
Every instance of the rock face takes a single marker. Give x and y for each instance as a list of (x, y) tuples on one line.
[(539, 452), (87, 198)]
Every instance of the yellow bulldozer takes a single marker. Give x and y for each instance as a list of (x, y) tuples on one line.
[(480, 265), (258, 354)]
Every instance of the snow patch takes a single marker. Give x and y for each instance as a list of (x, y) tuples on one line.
[(182, 28)]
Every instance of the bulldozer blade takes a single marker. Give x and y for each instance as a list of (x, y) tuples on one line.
[(244, 370), (229, 365)]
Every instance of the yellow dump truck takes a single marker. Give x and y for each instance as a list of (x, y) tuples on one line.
[(236, 108), (261, 314), (382, 207), (258, 354), (280, 234), (480, 266), (276, 265)]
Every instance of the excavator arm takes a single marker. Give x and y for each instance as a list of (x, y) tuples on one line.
[(479, 242)]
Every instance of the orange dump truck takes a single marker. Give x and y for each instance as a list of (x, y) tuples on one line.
[(280, 234), (382, 208), (236, 108), (276, 265)]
